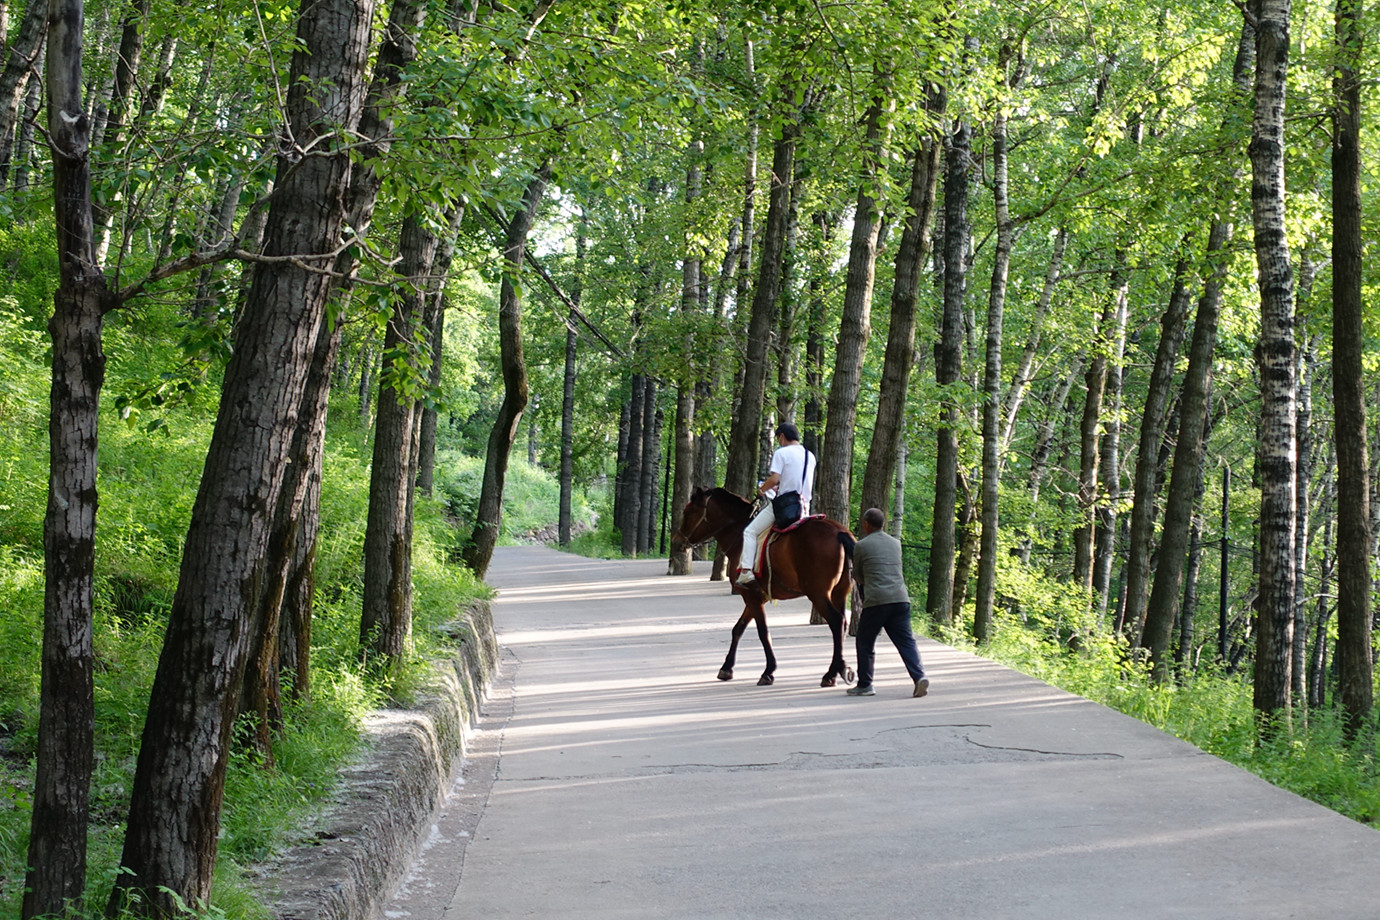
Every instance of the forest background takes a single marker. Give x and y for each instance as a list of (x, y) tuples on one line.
[(1075, 292)]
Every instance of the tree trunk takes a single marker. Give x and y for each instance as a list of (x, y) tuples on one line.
[(24, 52), (1275, 359), (1354, 539), (174, 818), (833, 491), (651, 456), (742, 444), (1090, 430), (1317, 659), (386, 622), (572, 342), (126, 73), (1303, 474), (1021, 379), (880, 472), (991, 376), (1146, 484), (61, 799), (1109, 464), (690, 298), (632, 467), (948, 368), (490, 512), (1162, 610), (436, 341)]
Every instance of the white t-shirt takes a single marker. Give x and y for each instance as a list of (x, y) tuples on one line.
[(790, 463)]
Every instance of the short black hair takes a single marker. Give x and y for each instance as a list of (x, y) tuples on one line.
[(788, 431), (875, 517)]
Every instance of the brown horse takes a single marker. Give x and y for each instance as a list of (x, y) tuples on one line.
[(814, 560)]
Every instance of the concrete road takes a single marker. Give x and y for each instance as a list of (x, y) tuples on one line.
[(614, 777)]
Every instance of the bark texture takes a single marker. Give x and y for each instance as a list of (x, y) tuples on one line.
[(1354, 661), (948, 369), (1275, 360), (61, 799), (174, 818)]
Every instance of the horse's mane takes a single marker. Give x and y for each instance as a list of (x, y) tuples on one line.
[(731, 498)]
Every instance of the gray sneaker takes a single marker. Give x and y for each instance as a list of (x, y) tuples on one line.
[(922, 686), (861, 691)]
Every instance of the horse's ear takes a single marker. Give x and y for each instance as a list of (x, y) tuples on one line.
[(697, 494)]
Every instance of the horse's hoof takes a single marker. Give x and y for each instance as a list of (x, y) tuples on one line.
[(766, 680), (725, 674), (828, 681), (849, 677)]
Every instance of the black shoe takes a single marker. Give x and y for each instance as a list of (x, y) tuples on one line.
[(860, 690)]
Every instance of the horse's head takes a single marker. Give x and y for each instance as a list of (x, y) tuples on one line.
[(695, 525), (711, 514)]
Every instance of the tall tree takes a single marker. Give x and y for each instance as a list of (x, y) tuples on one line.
[(174, 817), (1354, 661), (691, 265), (1275, 359), (1163, 608), (833, 485), (948, 369), (489, 515), (1009, 67), (57, 841), (916, 239), (742, 443), (1145, 480)]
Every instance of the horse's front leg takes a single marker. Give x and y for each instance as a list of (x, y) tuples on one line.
[(726, 672), (837, 667)]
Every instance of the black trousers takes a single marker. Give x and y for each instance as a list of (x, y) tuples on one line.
[(895, 619)]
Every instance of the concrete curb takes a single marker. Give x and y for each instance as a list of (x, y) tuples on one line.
[(365, 840)]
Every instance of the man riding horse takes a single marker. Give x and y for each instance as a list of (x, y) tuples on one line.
[(792, 473)]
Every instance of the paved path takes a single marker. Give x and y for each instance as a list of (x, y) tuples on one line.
[(614, 777)]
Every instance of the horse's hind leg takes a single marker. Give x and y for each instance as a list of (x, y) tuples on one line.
[(769, 675), (726, 672), (837, 667)]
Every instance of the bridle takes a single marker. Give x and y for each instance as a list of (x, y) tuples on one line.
[(704, 516)]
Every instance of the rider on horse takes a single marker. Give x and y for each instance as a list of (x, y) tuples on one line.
[(792, 470)]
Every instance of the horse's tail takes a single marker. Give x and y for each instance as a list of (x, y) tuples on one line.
[(847, 541)]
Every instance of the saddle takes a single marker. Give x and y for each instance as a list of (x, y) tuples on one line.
[(770, 534)]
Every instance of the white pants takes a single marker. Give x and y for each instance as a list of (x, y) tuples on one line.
[(752, 534)]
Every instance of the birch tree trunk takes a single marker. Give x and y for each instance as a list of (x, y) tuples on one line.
[(991, 375), (1275, 359), (24, 52)]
